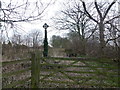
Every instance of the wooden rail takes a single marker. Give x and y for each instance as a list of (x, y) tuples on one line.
[(70, 71)]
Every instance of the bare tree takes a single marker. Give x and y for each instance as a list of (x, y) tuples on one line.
[(36, 38), (14, 11), (102, 20), (16, 39), (27, 40), (73, 18), (22, 11)]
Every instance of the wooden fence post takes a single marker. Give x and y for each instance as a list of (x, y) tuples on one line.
[(35, 70)]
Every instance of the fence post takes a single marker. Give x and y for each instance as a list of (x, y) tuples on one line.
[(35, 70)]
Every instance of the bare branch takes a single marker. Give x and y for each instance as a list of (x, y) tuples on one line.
[(109, 9), (113, 26), (112, 39), (99, 12), (118, 16), (11, 14), (93, 31), (84, 6)]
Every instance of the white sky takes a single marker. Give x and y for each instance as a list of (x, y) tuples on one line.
[(49, 13)]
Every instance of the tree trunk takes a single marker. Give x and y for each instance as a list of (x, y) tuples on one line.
[(102, 41), (82, 37), (84, 47)]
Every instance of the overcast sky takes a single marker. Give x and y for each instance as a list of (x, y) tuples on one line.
[(24, 27), (48, 14)]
